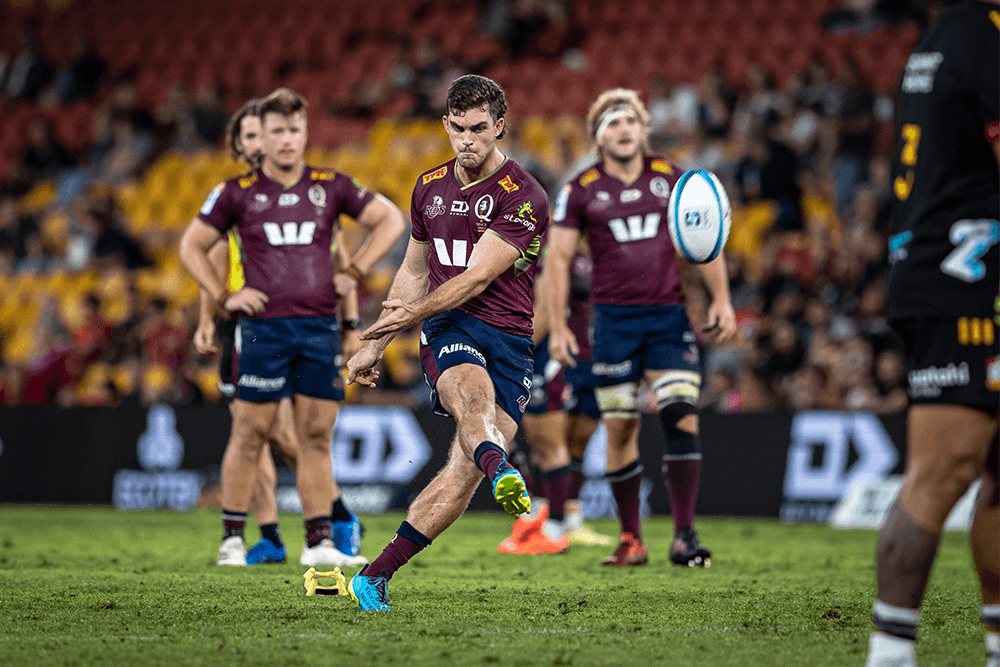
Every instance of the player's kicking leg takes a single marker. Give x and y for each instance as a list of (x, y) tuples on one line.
[(466, 392)]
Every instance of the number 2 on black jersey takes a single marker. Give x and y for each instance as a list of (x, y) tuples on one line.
[(908, 158)]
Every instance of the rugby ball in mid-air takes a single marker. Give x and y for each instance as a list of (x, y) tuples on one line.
[(699, 216)]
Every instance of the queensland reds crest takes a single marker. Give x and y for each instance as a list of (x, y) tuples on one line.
[(435, 208), (484, 207), (317, 195)]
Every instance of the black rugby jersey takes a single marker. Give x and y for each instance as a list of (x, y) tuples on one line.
[(945, 247)]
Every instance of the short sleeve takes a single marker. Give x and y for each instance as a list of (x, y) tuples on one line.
[(567, 207), (522, 219), (218, 211), (354, 196), (418, 230)]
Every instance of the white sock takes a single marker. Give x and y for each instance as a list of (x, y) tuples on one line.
[(552, 529), (887, 650), (897, 621), (993, 649)]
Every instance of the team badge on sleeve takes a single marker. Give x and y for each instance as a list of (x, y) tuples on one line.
[(213, 197), (661, 166), (589, 177)]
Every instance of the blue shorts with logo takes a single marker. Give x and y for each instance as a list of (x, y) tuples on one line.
[(280, 356), (454, 338), (578, 396), (547, 383), (631, 339)]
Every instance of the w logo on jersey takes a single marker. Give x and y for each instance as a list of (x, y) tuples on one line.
[(289, 233), (460, 252), (635, 227)]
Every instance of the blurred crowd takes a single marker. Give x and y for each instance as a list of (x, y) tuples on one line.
[(806, 162)]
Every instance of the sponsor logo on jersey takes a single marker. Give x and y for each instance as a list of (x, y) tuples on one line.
[(434, 175), (509, 185), (317, 194), (435, 208), (460, 207), (484, 207), (522, 403), (920, 70), (589, 177), (630, 195), (612, 370), (288, 199), (661, 166), (462, 347), (927, 382), (659, 187), (993, 373), (322, 175), (248, 180), (261, 384), (213, 197)]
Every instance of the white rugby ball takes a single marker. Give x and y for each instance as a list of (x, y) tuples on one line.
[(699, 216)]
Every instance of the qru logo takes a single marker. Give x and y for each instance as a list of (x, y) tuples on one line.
[(160, 484), (596, 499)]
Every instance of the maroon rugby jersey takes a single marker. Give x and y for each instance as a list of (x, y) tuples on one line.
[(626, 227), (451, 218), (285, 235)]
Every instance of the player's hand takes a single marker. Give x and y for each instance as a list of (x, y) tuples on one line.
[(204, 337), (563, 347), (343, 283), (396, 316), (361, 366), (352, 343), (247, 300), (721, 324)]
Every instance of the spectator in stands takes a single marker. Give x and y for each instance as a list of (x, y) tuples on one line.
[(768, 170), (28, 71), (91, 340), (164, 342), (121, 149), (855, 130), (113, 244), (673, 109), (80, 79), (717, 100), (44, 155), (207, 114), (50, 374)]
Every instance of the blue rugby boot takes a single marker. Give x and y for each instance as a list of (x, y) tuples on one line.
[(370, 593), (511, 492), (347, 535), (265, 551)]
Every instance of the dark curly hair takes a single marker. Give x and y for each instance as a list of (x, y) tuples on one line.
[(474, 92), (251, 108)]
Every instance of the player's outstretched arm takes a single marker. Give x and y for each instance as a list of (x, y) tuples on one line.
[(721, 324), (491, 257), (385, 223), (562, 245)]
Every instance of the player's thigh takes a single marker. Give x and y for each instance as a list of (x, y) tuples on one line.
[(546, 432), (316, 367), (579, 430), (947, 443), (251, 422), (283, 433)]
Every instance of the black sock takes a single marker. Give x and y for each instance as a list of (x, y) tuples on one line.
[(269, 531), (340, 511)]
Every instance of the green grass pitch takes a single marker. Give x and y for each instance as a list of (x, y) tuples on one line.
[(92, 586)]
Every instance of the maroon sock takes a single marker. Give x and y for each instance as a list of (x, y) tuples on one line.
[(682, 476), (318, 529), (625, 486), (233, 523), (556, 486), (405, 544), (576, 470), (489, 457)]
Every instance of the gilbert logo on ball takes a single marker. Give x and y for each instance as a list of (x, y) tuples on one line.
[(698, 216)]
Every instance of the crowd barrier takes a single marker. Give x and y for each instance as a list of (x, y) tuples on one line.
[(790, 466)]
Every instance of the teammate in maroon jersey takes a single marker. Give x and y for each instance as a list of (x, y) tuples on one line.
[(468, 275), (641, 330), (287, 343), (245, 139)]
